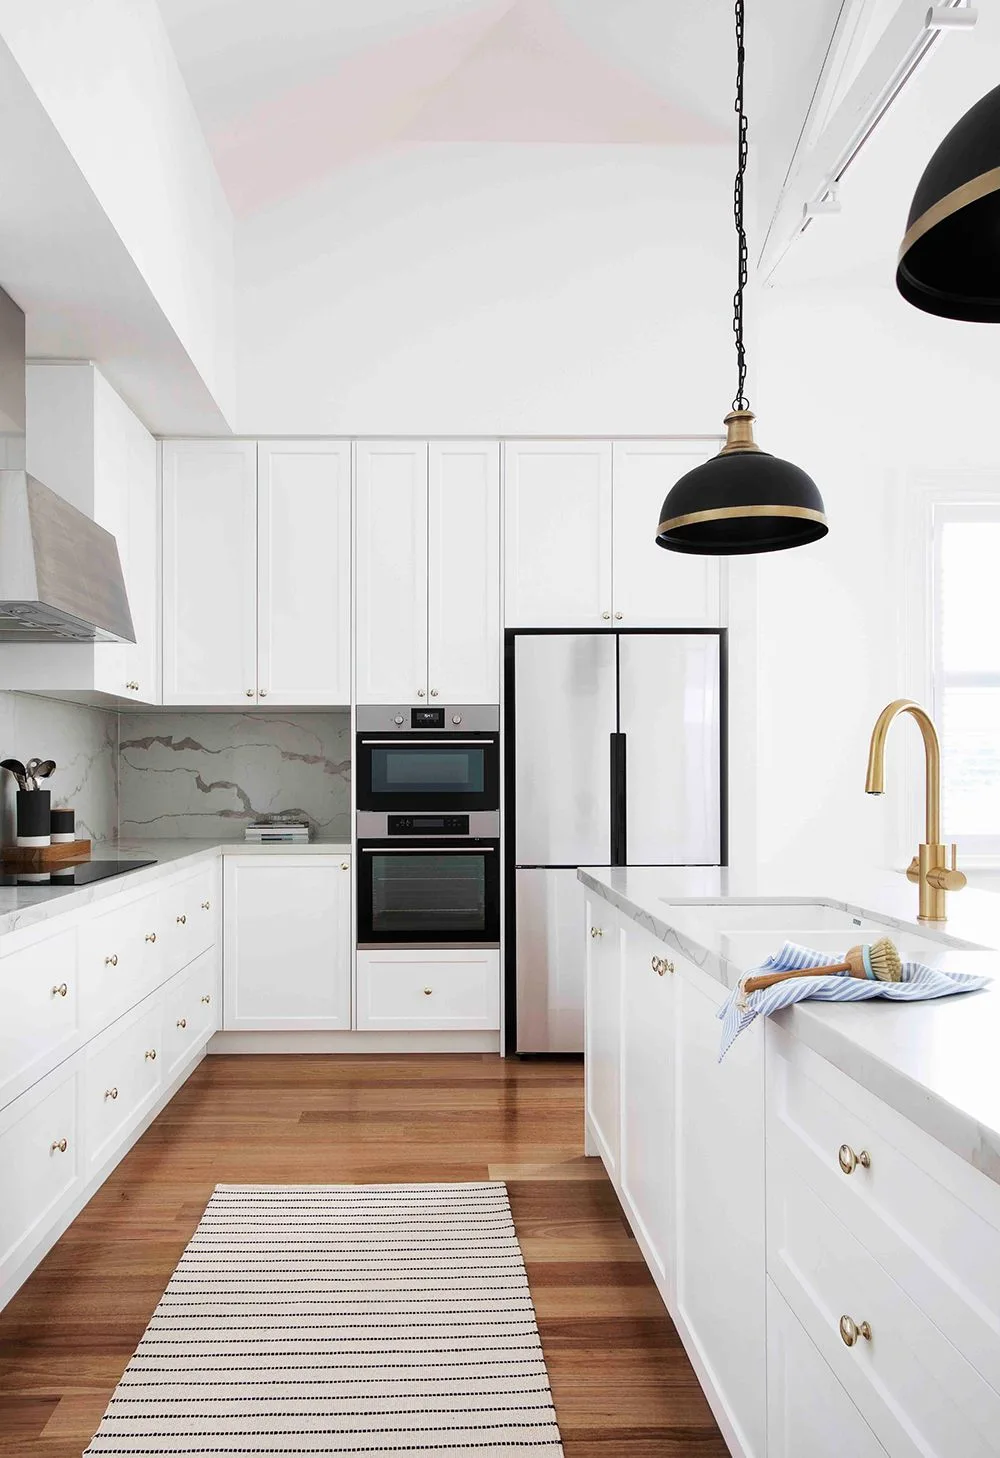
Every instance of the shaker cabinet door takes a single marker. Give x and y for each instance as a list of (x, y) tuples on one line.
[(463, 572), (304, 572), (209, 572), (391, 572)]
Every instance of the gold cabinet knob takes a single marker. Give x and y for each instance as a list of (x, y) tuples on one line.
[(182, 1022), (660, 965), (434, 693), (207, 997), (61, 1144), (182, 919), (151, 936), (262, 693), (249, 693), (849, 1161), (606, 617), (851, 1330), (150, 1055), (205, 905), (596, 931), (60, 991), (618, 617), (428, 991), (345, 865), (421, 694), (111, 1093), (111, 961)]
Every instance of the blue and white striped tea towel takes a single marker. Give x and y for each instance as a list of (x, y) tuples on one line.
[(918, 983)]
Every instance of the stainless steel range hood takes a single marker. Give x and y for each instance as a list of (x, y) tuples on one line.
[(60, 573)]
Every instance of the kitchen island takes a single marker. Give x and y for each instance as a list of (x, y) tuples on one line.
[(821, 1210)]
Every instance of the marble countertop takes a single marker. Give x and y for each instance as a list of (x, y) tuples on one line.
[(934, 1062), (25, 906)]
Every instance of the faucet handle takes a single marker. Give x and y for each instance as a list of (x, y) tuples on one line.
[(944, 879), (913, 869)]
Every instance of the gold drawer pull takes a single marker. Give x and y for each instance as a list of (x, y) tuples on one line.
[(428, 991), (596, 931), (205, 905), (849, 1161), (150, 1055), (182, 1022), (60, 991), (345, 865), (851, 1330), (110, 1093), (60, 1144), (111, 961), (182, 920), (151, 936), (660, 965), (207, 997)]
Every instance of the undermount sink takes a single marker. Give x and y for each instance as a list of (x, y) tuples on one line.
[(814, 923)]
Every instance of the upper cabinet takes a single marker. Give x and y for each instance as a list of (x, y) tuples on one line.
[(428, 572), (84, 442), (580, 529), (256, 572)]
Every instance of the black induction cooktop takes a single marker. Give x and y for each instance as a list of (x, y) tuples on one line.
[(81, 875)]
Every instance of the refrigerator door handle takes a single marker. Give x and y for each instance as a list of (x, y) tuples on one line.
[(619, 829)]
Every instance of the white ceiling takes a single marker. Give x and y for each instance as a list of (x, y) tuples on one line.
[(287, 93)]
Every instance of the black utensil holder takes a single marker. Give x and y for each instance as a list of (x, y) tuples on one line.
[(34, 817)]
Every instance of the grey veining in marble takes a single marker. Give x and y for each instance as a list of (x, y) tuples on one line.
[(933, 1062), (83, 743), (206, 775)]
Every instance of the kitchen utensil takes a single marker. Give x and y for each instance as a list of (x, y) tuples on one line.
[(18, 770), (30, 773), (45, 769), (880, 961)]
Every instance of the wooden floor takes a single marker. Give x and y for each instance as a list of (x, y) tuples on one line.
[(622, 1384)]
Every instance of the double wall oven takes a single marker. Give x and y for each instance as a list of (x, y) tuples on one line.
[(428, 826)]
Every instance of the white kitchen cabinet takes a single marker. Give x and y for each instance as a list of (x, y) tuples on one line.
[(443, 988), (209, 572), (427, 572), (42, 1021), (720, 1290), (287, 942), (463, 572), (42, 1158), (304, 572), (653, 588), (557, 534), (603, 1030), (84, 442), (648, 1097), (580, 537)]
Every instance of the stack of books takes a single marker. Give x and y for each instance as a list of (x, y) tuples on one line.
[(277, 830)]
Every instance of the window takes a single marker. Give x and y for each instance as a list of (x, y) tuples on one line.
[(966, 667)]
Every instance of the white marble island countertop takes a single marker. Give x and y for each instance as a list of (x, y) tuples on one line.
[(935, 1062), (28, 905)]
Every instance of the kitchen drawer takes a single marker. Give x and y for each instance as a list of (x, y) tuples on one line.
[(120, 959), (440, 989), (932, 1221), (41, 1161), (192, 1011), (913, 1387), (124, 1069), (809, 1415), (189, 917), (40, 1022)]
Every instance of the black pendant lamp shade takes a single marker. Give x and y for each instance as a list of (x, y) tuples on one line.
[(949, 261), (743, 500)]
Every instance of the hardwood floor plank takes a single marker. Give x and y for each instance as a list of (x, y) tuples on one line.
[(621, 1381)]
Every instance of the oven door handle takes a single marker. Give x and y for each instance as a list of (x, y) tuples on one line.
[(427, 850), (405, 742)]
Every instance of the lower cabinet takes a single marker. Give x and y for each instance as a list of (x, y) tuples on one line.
[(42, 1162), (287, 942), (602, 1030), (437, 990), (124, 1070)]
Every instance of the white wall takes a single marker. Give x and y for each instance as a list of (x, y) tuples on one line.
[(108, 78), (492, 288)]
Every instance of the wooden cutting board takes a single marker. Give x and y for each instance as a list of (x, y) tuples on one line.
[(45, 857)]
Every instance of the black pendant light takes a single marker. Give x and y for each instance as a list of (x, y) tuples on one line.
[(949, 262), (742, 500)]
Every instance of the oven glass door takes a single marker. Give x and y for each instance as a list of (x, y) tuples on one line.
[(425, 893), (396, 772)]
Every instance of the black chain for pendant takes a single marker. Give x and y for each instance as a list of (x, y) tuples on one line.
[(740, 402)]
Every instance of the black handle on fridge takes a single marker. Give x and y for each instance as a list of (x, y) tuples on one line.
[(618, 827)]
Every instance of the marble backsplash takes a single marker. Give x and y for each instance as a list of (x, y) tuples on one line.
[(206, 774), (83, 743)]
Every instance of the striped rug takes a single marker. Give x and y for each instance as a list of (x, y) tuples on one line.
[(341, 1319)]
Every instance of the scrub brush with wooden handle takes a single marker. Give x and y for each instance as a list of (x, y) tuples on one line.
[(880, 962)]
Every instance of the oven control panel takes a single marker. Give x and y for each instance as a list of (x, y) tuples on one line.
[(428, 824)]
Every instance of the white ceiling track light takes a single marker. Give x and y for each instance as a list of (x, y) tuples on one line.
[(836, 129)]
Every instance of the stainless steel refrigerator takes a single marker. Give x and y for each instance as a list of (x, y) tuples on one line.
[(615, 757)]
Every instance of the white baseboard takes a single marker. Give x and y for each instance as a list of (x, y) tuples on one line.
[(334, 1041)]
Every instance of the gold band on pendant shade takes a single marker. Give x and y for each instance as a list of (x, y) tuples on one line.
[(951, 203), (730, 513)]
